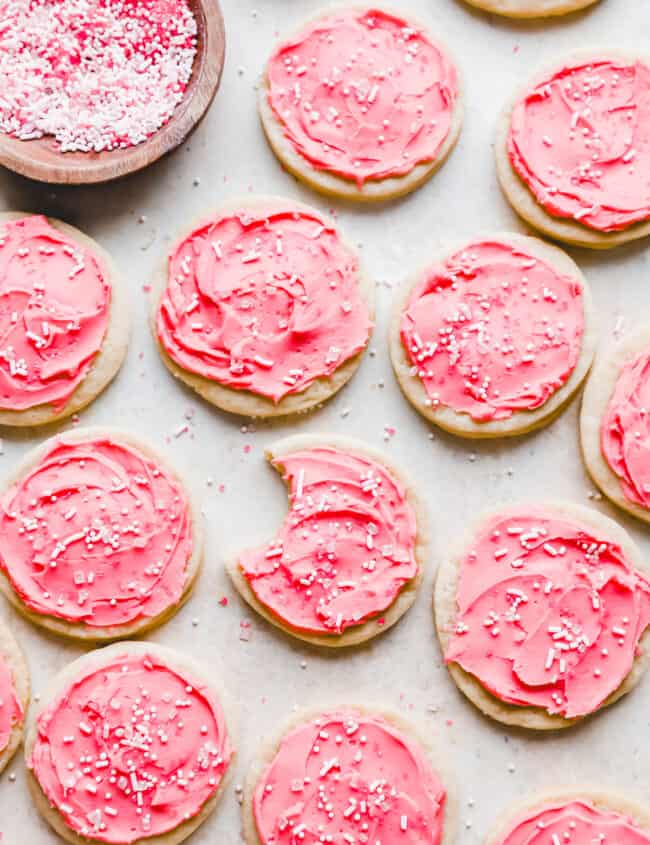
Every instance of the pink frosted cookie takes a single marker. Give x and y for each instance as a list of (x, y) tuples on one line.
[(263, 309), (543, 618), (98, 537), (14, 695), (129, 745), (361, 103), (64, 322), (573, 147), (346, 774), (494, 337), (346, 563)]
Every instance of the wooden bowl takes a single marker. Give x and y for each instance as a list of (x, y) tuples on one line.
[(40, 159)]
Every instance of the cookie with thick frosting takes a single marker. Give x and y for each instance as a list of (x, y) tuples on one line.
[(544, 615), (332, 106), (349, 773), (493, 337), (99, 538), (14, 695), (130, 745), (263, 308), (64, 323), (349, 557), (572, 148)]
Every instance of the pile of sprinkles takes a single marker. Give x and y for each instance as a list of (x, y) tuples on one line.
[(94, 75)]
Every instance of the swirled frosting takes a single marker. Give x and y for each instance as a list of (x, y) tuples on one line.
[(345, 549), (578, 821), (54, 311), (493, 330), (130, 749), (363, 94), (550, 612), (625, 430), (96, 533), (347, 777), (264, 301), (11, 710), (580, 140)]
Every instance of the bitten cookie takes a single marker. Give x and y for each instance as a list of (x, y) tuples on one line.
[(348, 559), (531, 8), (154, 743), (614, 424), (543, 616), (332, 106), (64, 322), (99, 538), (369, 767), (582, 815), (14, 695), (263, 308), (494, 337), (571, 149)]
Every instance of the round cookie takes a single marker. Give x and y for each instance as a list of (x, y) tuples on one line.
[(15, 700), (418, 750), (564, 227), (368, 183), (81, 589), (531, 8), (274, 394), (99, 360), (543, 267), (410, 518), (573, 806), (451, 628), (214, 757)]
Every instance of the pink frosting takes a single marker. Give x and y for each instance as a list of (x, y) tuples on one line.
[(550, 613), (347, 777), (580, 140), (363, 94), (264, 302), (625, 430), (493, 330), (54, 312), (96, 533), (345, 549), (130, 750), (11, 710), (577, 821)]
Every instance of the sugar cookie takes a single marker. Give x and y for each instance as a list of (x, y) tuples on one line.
[(263, 309), (543, 617), (614, 427), (332, 108), (370, 766), (98, 537), (348, 560), (155, 743), (65, 322), (14, 695), (494, 337), (531, 8), (571, 149)]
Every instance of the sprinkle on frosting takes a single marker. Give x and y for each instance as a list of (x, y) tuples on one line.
[(580, 140), (493, 330), (625, 430), (54, 313), (11, 710), (263, 301), (349, 778), (578, 821), (363, 94), (96, 533), (130, 749), (550, 613), (93, 75), (346, 548)]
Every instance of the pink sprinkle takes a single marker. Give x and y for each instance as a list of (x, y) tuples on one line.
[(223, 601), (244, 631)]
